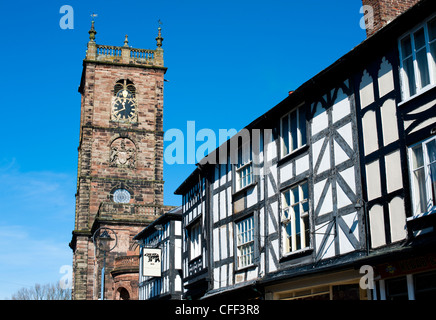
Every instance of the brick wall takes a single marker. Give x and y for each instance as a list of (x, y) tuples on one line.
[(385, 11)]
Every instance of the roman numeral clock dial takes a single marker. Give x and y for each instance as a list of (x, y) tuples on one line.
[(124, 106)]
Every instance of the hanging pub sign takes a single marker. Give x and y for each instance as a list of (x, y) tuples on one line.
[(151, 262)]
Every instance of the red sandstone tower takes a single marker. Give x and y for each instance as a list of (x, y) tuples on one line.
[(120, 167)]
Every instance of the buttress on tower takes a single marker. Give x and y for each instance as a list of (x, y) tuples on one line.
[(120, 165)]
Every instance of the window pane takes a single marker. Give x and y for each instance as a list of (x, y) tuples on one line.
[(295, 195), (432, 29), (305, 190), (409, 75), (421, 59), (417, 157), (294, 130), (396, 289), (296, 209), (419, 39), (420, 194), (285, 135), (433, 57), (287, 198), (433, 182), (406, 47), (431, 151), (306, 231), (302, 124)]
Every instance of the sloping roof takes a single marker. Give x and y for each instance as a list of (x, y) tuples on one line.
[(368, 50)]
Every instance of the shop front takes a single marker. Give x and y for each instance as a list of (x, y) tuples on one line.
[(342, 285), (413, 278)]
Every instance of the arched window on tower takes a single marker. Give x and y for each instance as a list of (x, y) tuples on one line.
[(124, 102), (124, 84)]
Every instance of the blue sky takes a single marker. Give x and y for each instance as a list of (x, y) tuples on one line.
[(228, 63)]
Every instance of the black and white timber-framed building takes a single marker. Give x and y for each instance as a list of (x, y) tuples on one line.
[(165, 234), (344, 176)]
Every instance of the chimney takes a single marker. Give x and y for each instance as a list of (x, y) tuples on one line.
[(378, 13)]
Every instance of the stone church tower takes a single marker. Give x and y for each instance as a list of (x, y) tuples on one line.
[(120, 167)]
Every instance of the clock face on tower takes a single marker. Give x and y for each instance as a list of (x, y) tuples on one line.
[(124, 106)]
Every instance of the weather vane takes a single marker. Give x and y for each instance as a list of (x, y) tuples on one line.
[(93, 15)]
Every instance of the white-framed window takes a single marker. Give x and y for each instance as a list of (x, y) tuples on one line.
[(244, 168), (295, 218), (245, 242), (195, 240), (293, 130), (418, 58), (423, 175)]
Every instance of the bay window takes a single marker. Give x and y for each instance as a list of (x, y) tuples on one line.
[(418, 58), (295, 218), (423, 176), (245, 242), (293, 131)]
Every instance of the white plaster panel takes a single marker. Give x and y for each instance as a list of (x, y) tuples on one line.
[(229, 201), (344, 245), (325, 160), (286, 172), (230, 277), (342, 198), (271, 149), (329, 249), (252, 196), (274, 176), (350, 178), (178, 253), (262, 226), (274, 247), (385, 78), (373, 180), (341, 108), (366, 90), (340, 155), (274, 208), (346, 132), (222, 204), (302, 164), (216, 245), (320, 119), (377, 226), (230, 236), (224, 240), (352, 222), (393, 171), (389, 121), (327, 204), (178, 228), (397, 217), (223, 280), (370, 139), (178, 283), (215, 208)]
